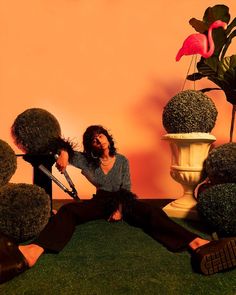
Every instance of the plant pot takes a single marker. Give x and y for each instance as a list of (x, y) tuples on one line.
[(188, 152)]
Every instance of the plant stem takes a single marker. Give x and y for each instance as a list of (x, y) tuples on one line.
[(232, 122)]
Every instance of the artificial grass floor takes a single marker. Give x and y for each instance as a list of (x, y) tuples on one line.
[(104, 259)]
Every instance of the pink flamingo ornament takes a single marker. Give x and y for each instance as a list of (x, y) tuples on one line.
[(198, 43)]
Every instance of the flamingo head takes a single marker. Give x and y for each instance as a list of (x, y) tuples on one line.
[(217, 24)]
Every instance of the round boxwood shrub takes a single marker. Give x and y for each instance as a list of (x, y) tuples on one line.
[(217, 206), (24, 210), (34, 129), (220, 164), (7, 162), (189, 111)]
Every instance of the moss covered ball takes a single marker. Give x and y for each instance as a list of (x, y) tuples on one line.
[(220, 164), (217, 206), (34, 129), (189, 111), (8, 162), (24, 210)]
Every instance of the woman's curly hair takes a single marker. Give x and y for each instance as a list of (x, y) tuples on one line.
[(90, 153)]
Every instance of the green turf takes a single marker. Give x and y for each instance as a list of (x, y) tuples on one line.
[(104, 259)]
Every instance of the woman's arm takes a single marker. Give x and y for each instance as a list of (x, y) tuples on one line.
[(126, 182), (62, 161), (78, 160)]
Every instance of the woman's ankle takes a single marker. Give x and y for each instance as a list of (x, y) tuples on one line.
[(197, 242), (31, 253)]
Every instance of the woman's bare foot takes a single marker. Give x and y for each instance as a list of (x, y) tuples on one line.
[(116, 216), (31, 253), (198, 242)]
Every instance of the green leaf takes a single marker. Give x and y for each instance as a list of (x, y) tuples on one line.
[(208, 66), (226, 64), (212, 62), (228, 42), (231, 26), (230, 77), (198, 25), (219, 38), (195, 77), (209, 89), (231, 96), (233, 61), (217, 12)]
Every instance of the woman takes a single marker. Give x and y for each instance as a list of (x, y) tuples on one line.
[(108, 171)]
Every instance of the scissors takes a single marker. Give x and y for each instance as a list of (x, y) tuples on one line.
[(73, 192)]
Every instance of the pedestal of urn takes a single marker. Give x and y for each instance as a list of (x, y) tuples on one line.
[(188, 152)]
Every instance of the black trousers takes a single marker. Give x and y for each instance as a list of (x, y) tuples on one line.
[(151, 219)]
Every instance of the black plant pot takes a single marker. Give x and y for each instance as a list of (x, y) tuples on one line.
[(39, 177)]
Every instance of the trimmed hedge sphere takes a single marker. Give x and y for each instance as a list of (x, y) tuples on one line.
[(24, 210), (217, 206), (189, 111), (34, 129), (220, 165), (7, 162)]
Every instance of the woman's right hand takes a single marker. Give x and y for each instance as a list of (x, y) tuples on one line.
[(62, 161)]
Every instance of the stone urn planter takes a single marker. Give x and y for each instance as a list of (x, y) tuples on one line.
[(188, 152), (188, 118)]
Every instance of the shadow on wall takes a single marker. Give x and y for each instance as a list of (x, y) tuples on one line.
[(151, 168)]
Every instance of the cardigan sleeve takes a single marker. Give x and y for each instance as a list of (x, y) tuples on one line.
[(79, 161), (126, 182)]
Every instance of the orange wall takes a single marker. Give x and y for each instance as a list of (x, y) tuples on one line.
[(101, 62)]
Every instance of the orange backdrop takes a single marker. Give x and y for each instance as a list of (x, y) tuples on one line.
[(102, 62)]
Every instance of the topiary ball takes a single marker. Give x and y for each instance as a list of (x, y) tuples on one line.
[(24, 210), (7, 162), (189, 111), (217, 206), (34, 129), (220, 164)]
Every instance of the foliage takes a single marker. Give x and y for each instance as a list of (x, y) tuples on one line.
[(24, 210), (220, 164), (34, 129), (217, 206), (189, 111), (218, 68), (7, 162)]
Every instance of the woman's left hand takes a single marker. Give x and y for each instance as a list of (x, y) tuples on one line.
[(62, 161)]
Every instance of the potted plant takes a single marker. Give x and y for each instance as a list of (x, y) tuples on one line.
[(217, 205), (216, 199), (220, 164), (7, 162), (218, 68), (24, 208), (188, 118), (38, 134)]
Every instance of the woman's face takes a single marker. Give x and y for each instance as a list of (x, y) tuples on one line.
[(100, 142)]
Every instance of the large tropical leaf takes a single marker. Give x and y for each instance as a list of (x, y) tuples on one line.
[(195, 77), (227, 63), (217, 12), (228, 41), (198, 25), (219, 38), (231, 26), (219, 69), (208, 67)]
